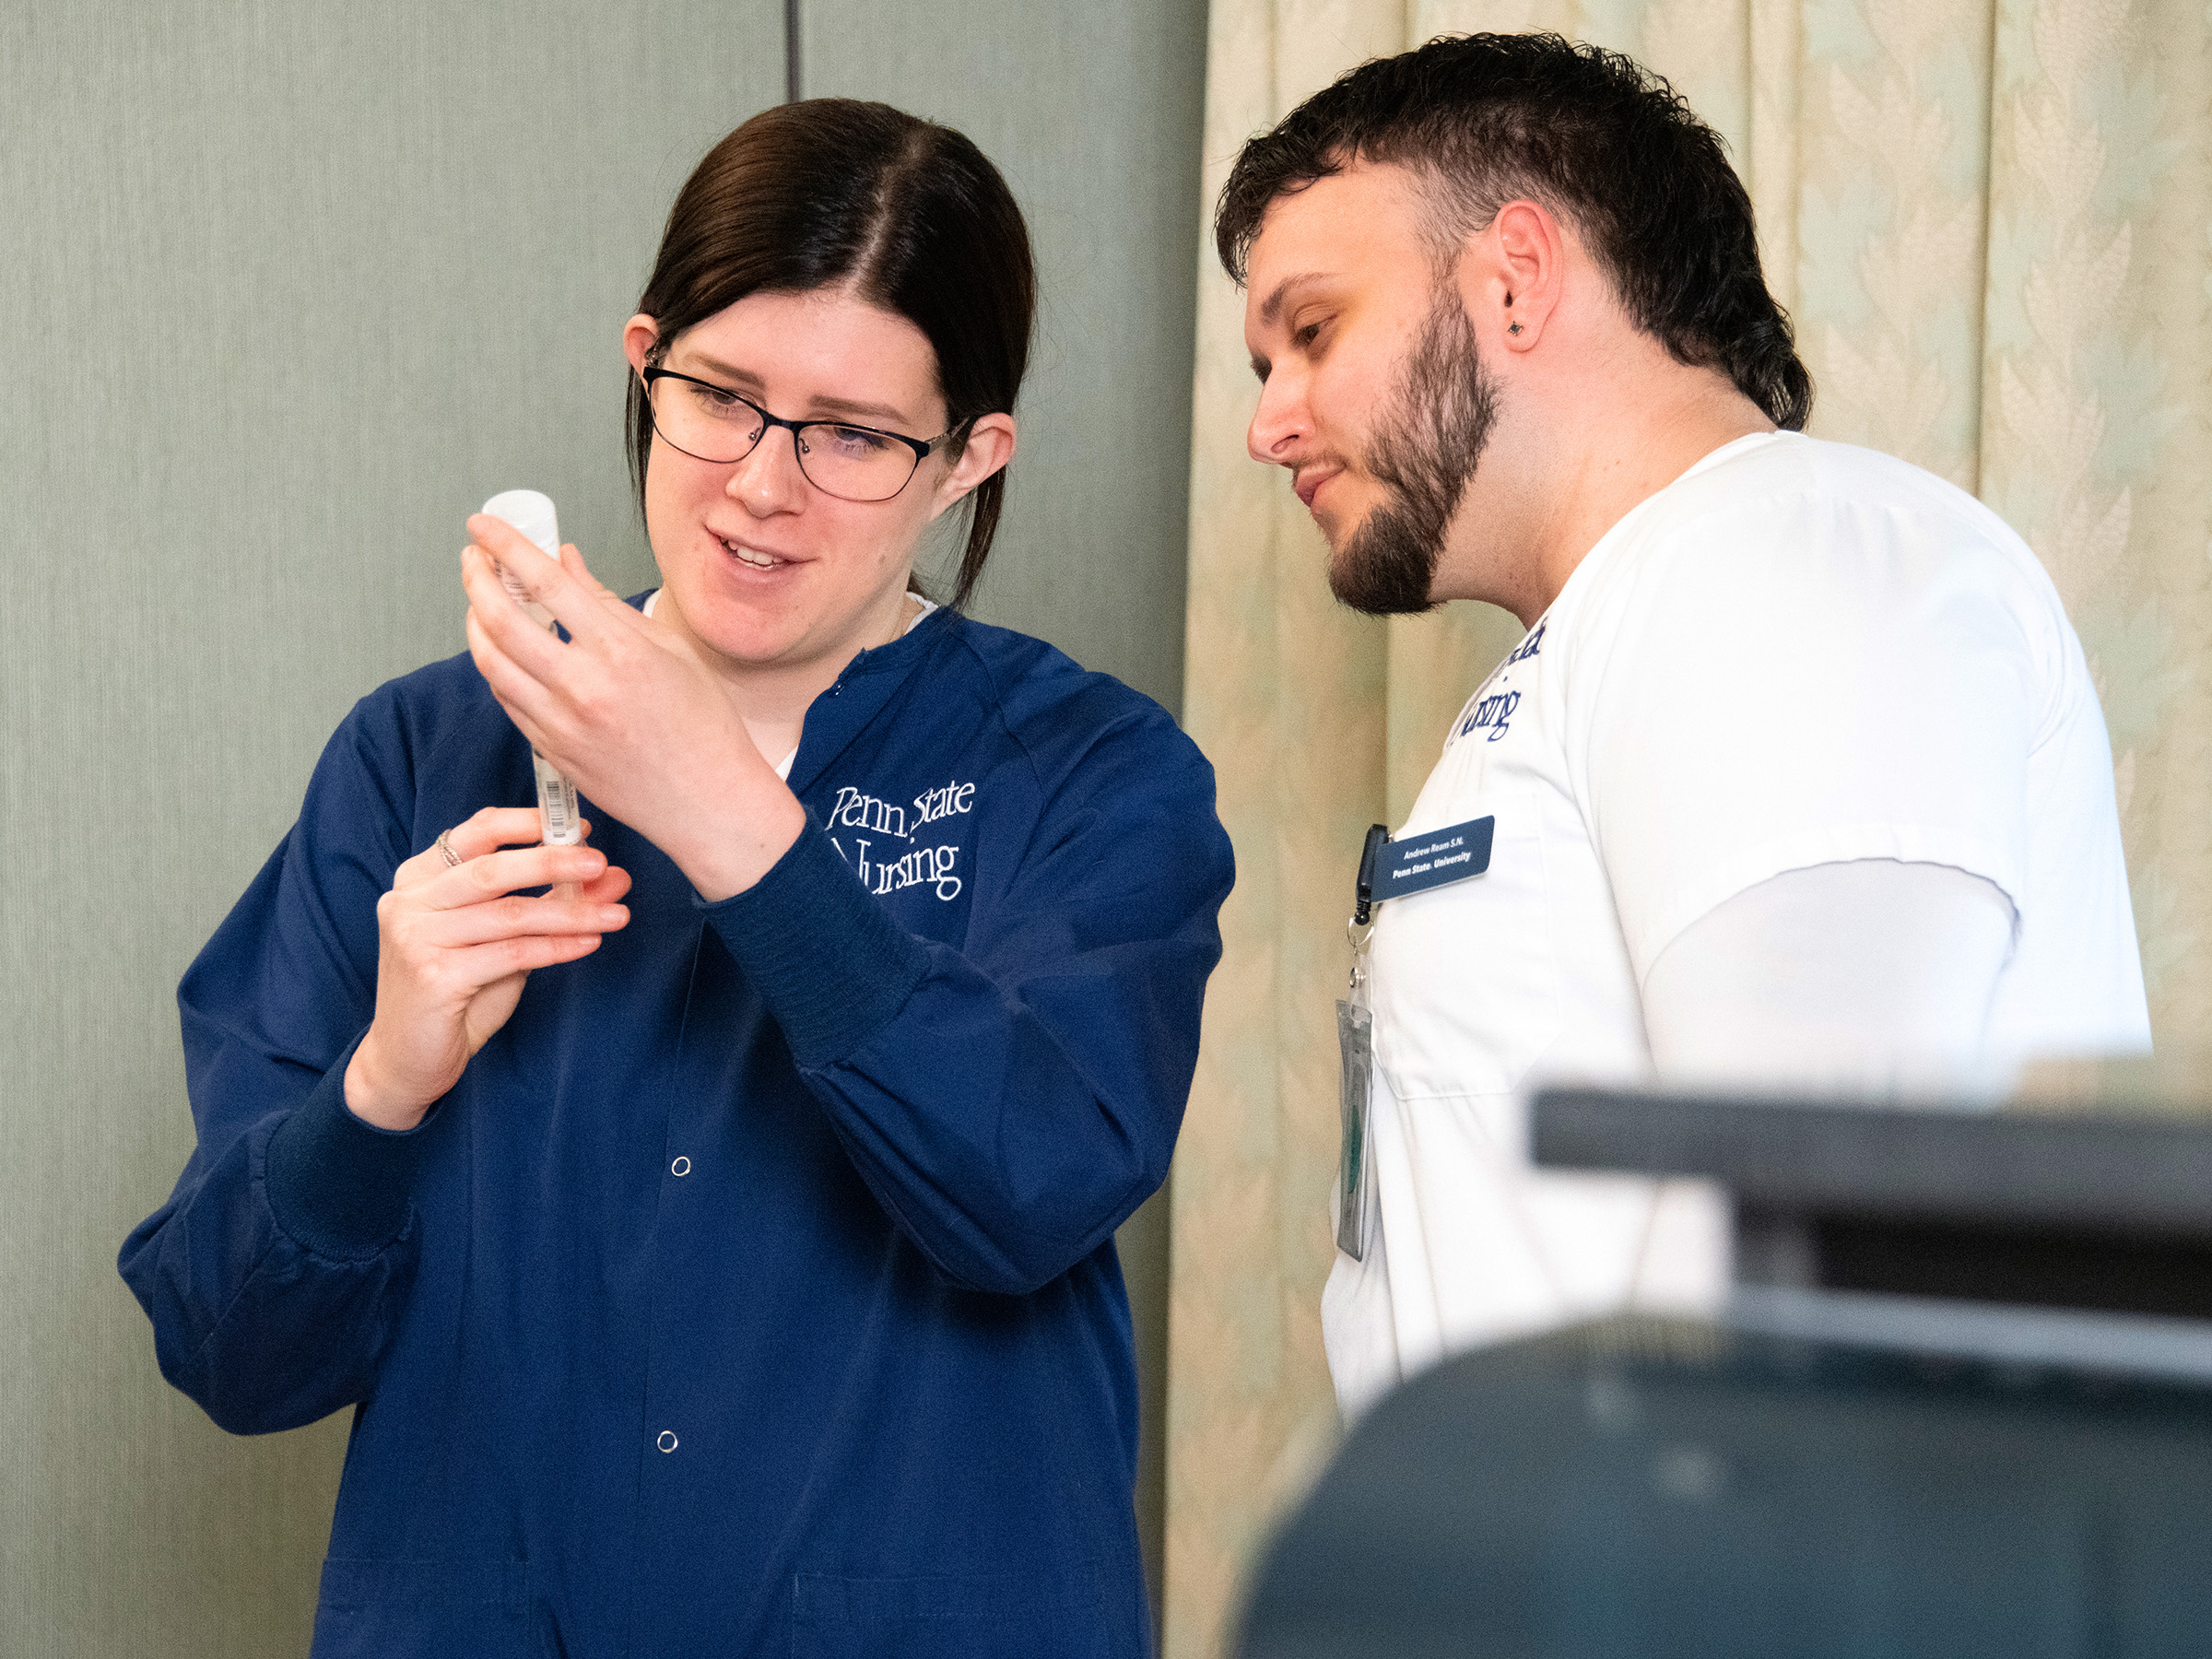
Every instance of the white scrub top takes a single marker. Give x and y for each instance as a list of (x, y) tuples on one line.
[(1797, 654)]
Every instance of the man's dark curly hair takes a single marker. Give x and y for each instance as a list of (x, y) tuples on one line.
[(1603, 142)]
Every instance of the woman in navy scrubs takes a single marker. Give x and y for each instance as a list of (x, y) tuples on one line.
[(712, 1225)]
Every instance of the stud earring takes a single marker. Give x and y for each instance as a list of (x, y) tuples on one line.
[(1512, 328)]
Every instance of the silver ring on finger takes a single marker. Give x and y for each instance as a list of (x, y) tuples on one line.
[(446, 847)]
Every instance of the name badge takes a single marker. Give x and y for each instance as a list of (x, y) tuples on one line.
[(1433, 859)]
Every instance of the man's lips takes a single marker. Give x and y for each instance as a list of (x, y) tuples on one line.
[(1308, 484)]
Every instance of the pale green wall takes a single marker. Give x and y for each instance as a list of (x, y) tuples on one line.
[(1093, 113), (288, 288)]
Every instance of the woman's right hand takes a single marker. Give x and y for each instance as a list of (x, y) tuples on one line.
[(455, 944)]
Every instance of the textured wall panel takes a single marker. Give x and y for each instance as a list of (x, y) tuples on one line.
[(290, 289), (1092, 113)]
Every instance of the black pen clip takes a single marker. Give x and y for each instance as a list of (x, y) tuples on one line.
[(1364, 894)]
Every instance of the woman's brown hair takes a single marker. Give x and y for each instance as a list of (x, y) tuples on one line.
[(907, 215)]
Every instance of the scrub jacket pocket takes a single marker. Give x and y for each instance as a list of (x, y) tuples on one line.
[(427, 1610), (978, 1615)]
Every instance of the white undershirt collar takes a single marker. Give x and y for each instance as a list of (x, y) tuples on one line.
[(927, 604)]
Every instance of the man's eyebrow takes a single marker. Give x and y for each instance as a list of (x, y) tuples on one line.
[(1273, 308), (745, 380)]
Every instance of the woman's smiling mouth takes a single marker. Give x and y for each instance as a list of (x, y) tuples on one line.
[(758, 560)]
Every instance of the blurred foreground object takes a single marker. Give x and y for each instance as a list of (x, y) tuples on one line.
[(1959, 1405)]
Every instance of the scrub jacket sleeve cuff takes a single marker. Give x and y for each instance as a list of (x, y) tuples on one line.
[(337, 1185), (828, 959)]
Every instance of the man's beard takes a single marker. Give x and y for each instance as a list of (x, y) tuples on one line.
[(1423, 452)]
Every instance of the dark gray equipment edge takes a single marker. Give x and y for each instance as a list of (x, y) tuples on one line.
[(2106, 1174)]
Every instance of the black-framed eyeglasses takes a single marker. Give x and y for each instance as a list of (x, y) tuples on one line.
[(712, 423)]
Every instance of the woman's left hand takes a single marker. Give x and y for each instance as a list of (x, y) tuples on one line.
[(628, 711)]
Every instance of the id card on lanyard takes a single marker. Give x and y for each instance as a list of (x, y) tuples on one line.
[(1388, 870)]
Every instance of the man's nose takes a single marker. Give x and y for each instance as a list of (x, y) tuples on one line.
[(1278, 424)]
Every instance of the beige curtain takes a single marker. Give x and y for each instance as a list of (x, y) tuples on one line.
[(1992, 221)]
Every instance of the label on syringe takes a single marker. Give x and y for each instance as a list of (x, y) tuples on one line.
[(555, 804), (532, 513), (521, 595)]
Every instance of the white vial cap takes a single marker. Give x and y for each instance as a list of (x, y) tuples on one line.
[(531, 512)]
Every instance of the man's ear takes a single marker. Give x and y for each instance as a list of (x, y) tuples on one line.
[(1510, 276), (988, 447)]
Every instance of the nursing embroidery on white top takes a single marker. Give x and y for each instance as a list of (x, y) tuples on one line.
[(1494, 709)]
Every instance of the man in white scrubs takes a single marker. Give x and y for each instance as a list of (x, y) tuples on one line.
[(1797, 780)]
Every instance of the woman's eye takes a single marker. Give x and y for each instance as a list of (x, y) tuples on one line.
[(720, 403), (856, 440)]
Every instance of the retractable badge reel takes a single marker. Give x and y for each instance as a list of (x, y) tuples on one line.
[(1356, 1054), (1433, 858)]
